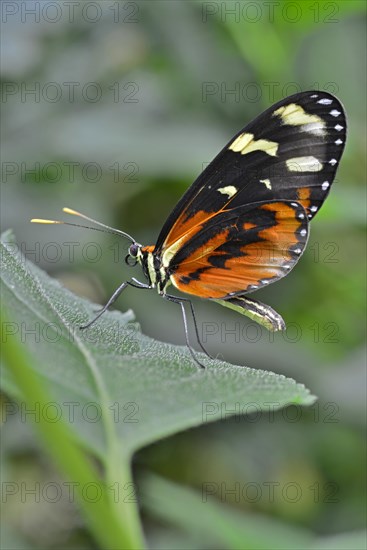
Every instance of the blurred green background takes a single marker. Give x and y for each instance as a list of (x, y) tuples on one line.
[(113, 108)]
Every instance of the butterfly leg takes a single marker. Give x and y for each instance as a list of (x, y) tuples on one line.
[(113, 298), (196, 326), (181, 301), (138, 284), (195, 323)]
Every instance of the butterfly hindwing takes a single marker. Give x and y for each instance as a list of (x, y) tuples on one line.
[(289, 152), (240, 250)]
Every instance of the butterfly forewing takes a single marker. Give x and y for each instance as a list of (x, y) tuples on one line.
[(289, 152)]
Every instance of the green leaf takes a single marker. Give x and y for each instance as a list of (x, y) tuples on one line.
[(208, 523), (114, 523), (114, 385), (214, 524), (356, 540)]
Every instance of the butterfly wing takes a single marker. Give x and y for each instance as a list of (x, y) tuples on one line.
[(289, 152), (239, 250)]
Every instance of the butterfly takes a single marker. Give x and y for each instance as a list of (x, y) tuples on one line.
[(244, 222)]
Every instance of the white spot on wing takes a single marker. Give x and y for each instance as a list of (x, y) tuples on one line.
[(303, 232), (316, 128), (230, 190), (313, 208), (314, 95), (338, 142), (325, 185), (325, 101), (304, 164), (335, 113), (267, 183), (333, 162), (338, 127)]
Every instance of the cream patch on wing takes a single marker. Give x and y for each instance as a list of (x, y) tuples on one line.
[(295, 115), (245, 143), (304, 164), (230, 190)]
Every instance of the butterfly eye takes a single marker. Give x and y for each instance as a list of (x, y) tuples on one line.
[(131, 258), (133, 250)]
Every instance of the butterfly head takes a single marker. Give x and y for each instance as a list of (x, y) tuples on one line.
[(134, 254)]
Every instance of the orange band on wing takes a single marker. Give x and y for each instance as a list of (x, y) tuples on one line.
[(304, 196), (186, 225)]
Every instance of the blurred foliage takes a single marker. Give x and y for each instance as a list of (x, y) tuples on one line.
[(174, 81)]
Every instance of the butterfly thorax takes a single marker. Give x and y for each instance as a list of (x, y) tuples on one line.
[(157, 275)]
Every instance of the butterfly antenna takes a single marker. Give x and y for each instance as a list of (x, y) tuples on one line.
[(106, 228)]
